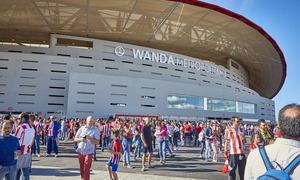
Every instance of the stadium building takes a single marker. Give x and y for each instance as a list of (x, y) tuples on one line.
[(181, 59)]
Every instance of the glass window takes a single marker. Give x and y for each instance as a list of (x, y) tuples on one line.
[(185, 102), (221, 105), (246, 108)]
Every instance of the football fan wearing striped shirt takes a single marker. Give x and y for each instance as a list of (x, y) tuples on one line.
[(115, 150), (235, 139), (106, 134)]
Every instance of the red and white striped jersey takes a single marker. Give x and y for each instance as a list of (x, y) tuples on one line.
[(38, 126), (14, 129), (25, 133), (119, 127), (106, 130), (236, 145), (115, 147), (51, 129)]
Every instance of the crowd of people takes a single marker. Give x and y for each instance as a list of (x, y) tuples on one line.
[(21, 139)]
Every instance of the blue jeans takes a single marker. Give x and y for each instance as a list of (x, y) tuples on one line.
[(171, 142), (63, 134), (24, 173), (126, 146), (187, 136), (8, 172), (208, 149), (36, 145), (51, 141), (107, 139), (197, 143), (161, 149), (175, 141), (166, 144), (202, 146), (75, 145), (122, 150), (94, 156), (138, 146)]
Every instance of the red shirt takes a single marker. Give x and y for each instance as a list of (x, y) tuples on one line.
[(253, 146), (128, 135), (187, 128), (198, 129), (278, 133)]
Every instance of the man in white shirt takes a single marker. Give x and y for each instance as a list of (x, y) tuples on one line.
[(284, 150)]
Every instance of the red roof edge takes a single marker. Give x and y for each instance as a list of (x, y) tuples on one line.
[(249, 23)]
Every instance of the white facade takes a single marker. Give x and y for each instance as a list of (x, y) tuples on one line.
[(104, 80)]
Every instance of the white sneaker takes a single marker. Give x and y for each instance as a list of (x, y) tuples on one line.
[(33, 155), (129, 166), (38, 155), (200, 155), (214, 161), (56, 155)]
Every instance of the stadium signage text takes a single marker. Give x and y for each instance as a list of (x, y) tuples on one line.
[(176, 61)]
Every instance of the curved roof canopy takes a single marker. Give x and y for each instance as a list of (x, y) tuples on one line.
[(188, 27)]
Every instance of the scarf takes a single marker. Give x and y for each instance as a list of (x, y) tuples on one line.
[(263, 134)]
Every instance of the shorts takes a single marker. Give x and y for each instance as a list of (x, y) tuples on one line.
[(148, 149), (114, 167)]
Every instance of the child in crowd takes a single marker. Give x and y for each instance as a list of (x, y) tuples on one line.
[(115, 150), (255, 141)]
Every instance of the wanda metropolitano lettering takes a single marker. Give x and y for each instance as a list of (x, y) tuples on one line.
[(176, 61)]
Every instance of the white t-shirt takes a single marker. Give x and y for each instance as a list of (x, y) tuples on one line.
[(283, 151)]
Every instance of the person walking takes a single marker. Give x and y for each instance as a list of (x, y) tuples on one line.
[(10, 149), (106, 134), (160, 140), (176, 136), (87, 136), (36, 144), (115, 151), (235, 139), (197, 132), (51, 138), (126, 144), (146, 138), (208, 141), (25, 133)]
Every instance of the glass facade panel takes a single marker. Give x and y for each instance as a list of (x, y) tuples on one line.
[(185, 102), (221, 105), (246, 108)]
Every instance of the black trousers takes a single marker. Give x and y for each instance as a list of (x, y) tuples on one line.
[(234, 161)]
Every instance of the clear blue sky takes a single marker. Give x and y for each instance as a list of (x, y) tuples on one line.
[(281, 20)]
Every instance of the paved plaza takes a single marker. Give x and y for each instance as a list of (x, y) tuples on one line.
[(185, 165)]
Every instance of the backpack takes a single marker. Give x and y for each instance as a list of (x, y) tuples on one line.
[(176, 134), (273, 173)]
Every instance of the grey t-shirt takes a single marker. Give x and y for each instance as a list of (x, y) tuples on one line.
[(87, 147)]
